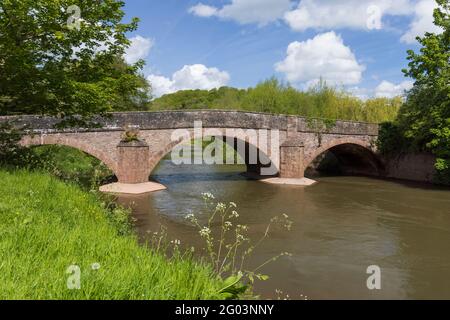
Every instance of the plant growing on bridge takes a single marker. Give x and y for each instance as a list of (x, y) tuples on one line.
[(131, 134), (320, 126), (228, 247)]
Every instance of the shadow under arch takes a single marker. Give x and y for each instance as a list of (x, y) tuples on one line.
[(351, 156), (253, 157), (75, 144)]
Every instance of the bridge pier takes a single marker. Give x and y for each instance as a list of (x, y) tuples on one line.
[(133, 162), (133, 170), (292, 154), (291, 171)]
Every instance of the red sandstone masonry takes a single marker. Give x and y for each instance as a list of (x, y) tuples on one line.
[(133, 164), (414, 167)]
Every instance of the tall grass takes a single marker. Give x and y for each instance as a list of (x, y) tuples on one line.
[(47, 226)]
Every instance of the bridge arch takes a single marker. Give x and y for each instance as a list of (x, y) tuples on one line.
[(357, 156), (73, 143), (263, 157)]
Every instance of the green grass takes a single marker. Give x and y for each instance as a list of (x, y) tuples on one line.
[(47, 225)]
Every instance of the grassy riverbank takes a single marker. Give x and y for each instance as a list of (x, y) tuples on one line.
[(47, 225)]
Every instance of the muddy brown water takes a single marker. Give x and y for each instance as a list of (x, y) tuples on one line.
[(341, 226)]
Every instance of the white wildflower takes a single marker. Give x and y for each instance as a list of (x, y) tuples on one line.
[(207, 196), (221, 206), (95, 266), (205, 232)]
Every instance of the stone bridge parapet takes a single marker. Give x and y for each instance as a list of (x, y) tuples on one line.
[(301, 140)]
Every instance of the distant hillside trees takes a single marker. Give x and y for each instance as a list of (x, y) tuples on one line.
[(273, 96)]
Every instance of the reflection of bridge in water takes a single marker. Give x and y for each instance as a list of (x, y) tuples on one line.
[(300, 140)]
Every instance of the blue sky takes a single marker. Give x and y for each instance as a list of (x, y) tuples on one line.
[(358, 44)]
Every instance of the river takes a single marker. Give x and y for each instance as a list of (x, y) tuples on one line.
[(341, 226)]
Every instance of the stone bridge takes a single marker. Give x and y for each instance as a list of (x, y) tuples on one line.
[(298, 141)]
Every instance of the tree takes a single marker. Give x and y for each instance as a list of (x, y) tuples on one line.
[(425, 117), (49, 65)]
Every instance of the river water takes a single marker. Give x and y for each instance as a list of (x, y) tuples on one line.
[(341, 226)]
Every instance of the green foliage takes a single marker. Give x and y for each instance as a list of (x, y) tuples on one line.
[(320, 126), (10, 151), (119, 218), (320, 101), (223, 98), (66, 163), (70, 165), (131, 134), (12, 154), (390, 139), (47, 226), (423, 123), (233, 287), (443, 171), (47, 67)]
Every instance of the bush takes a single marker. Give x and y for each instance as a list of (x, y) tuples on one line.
[(11, 153), (390, 139)]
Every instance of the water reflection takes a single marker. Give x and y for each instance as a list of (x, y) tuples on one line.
[(341, 226)]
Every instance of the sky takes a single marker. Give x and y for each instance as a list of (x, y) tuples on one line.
[(359, 45)]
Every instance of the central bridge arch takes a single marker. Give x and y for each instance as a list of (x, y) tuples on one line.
[(241, 144)]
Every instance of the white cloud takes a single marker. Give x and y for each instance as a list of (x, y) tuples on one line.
[(202, 10), (357, 14), (261, 12), (423, 21), (195, 76), (138, 49), (160, 85), (327, 14), (361, 93), (390, 90), (325, 56)]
